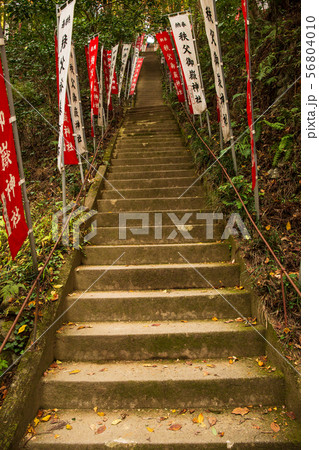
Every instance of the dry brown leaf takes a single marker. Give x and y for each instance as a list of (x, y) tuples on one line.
[(175, 427), (100, 429), (275, 427), (212, 421), (291, 415), (241, 411)]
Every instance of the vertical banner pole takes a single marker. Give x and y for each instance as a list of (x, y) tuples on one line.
[(101, 89), (256, 190), (221, 138), (18, 153), (208, 124), (63, 183)]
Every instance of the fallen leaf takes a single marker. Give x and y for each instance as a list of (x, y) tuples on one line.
[(95, 409), (22, 328), (175, 427), (156, 325), (116, 421), (275, 427), (100, 429), (58, 362), (184, 321), (268, 227), (210, 365), (56, 436), (151, 430), (101, 414), (221, 434), (46, 418), (291, 415), (149, 365), (73, 372), (214, 431), (241, 411), (232, 359), (183, 411), (257, 427), (68, 427), (286, 330), (288, 226), (212, 421), (214, 319)]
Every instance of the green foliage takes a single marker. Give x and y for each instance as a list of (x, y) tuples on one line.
[(10, 289), (3, 365), (20, 338), (243, 186)]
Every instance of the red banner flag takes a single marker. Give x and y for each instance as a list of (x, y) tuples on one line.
[(139, 42), (94, 85), (136, 74), (70, 156), (184, 79), (249, 98), (114, 88), (95, 109), (106, 71), (165, 43), (10, 183)]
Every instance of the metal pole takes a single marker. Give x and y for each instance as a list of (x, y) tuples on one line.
[(74, 134), (256, 190), (18, 153)]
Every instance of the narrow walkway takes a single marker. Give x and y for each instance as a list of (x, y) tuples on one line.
[(141, 356)]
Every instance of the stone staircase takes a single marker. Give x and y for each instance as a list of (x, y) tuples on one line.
[(139, 344)]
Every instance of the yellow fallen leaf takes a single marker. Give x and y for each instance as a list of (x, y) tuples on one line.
[(74, 371), (95, 409), (173, 410), (116, 421), (214, 318), (288, 226), (57, 286), (22, 328), (56, 436), (286, 330), (268, 227), (46, 418), (58, 362), (101, 414), (68, 427), (150, 429), (36, 421), (200, 418)]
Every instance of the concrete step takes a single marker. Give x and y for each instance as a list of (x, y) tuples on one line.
[(167, 234), (155, 253), (167, 167), (151, 204), (133, 432), (111, 219), (160, 276), (153, 160), (150, 146), (153, 175), (194, 191), (148, 133), (190, 304), (127, 154), (136, 385), (135, 341), (151, 183)]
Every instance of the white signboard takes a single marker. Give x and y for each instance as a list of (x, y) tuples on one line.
[(113, 62), (181, 29)]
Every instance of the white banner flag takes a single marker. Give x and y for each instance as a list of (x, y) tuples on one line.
[(113, 62), (181, 29), (125, 54), (75, 103), (65, 25), (100, 115), (212, 32), (135, 59)]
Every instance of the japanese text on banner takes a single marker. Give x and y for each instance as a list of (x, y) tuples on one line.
[(212, 32), (10, 189), (136, 74), (112, 70), (65, 25), (181, 29), (125, 54), (165, 43)]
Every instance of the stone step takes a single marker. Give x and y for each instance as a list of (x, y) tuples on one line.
[(136, 385), (151, 183), (194, 191), (158, 127), (133, 430), (150, 204), (153, 160), (155, 253), (107, 341), (111, 219), (148, 133), (153, 175), (150, 146), (191, 304), (127, 154), (167, 167), (160, 276), (167, 234)]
